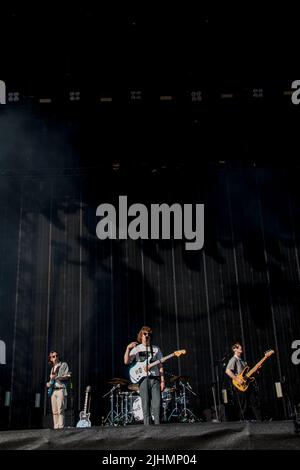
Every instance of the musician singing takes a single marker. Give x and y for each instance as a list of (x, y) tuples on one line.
[(153, 383), (248, 398), (58, 375)]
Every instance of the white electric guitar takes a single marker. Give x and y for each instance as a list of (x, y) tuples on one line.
[(84, 416), (139, 369)]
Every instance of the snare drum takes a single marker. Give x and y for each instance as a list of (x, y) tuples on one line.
[(137, 410), (166, 395)]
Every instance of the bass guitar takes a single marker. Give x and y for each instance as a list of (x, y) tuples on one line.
[(84, 416), (139, 369), (247, 375)]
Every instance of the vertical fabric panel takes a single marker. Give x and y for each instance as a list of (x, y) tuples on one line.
[(63, 288)]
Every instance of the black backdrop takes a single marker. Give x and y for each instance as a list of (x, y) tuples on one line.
[(63, 288)]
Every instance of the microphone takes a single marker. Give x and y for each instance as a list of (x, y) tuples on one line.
[(225, 357)]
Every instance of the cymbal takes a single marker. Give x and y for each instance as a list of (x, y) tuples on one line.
[(169, 389), (175, 378), (117, 380), (133, 387)]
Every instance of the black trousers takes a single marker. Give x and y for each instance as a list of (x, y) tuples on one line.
[(248, 404), (151, 398)]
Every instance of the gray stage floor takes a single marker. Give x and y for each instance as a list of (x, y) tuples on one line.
[(277, 435)]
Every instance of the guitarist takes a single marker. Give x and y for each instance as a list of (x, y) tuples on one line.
[(153, 384), (58, 375), (245, 399)]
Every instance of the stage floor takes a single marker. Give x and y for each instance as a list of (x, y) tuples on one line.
[(277, 435)]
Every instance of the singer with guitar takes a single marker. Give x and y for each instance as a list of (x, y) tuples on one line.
[(151, 385), (57, 389), (246, 399)]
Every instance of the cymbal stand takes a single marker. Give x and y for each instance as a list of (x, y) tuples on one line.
[(186, 415), (124, 408), (112, 417), (125, 416), (129, 408), (175, 412), (165, 407), (125, 412)]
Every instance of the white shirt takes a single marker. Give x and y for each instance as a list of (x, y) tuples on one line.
[(139, 354), (62, 369)]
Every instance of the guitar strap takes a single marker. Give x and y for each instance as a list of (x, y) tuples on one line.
[(56, 369), (151, 349)]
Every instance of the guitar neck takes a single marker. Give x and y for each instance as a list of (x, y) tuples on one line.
[(163, 359), (254, 369), (85, 403)]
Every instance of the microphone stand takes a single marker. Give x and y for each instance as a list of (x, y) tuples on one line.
[(213, 388), (216, 387), (191, 390)]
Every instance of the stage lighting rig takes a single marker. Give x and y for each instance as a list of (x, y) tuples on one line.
[(257, 93), (196, 96), (45, 100), (227, 96), (74, 96), (13, 97), (106, 99), (136, 95)]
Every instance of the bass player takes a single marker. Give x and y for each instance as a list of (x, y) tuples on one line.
[(246, 400)]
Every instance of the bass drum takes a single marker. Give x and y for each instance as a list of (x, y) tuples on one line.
[(137, 410)]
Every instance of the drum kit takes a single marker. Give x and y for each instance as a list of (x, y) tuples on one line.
[(126, 403)]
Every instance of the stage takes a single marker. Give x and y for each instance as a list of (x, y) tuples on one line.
[(277, 435)]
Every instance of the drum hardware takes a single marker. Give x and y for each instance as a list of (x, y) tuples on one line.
[(176, 411), (186, 415), (123, 407), (180, 411), (165, 404), (126, 406), (116, 414), (113, 414), (131, 408), (166, 399)]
